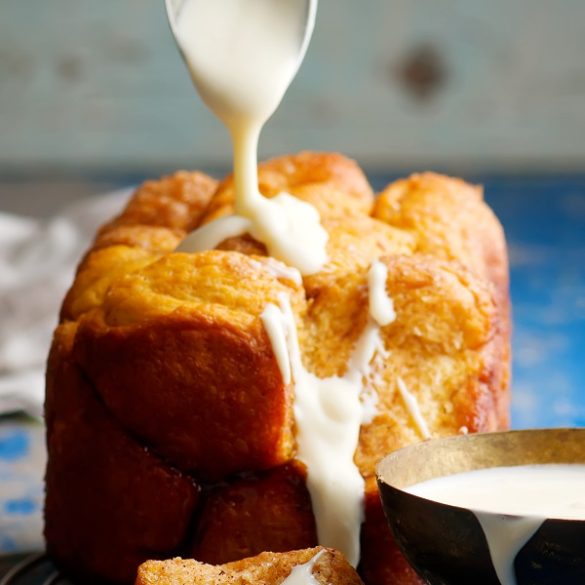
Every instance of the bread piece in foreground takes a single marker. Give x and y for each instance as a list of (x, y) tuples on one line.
[(329, 568)]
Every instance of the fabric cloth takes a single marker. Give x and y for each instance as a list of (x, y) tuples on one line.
[(37, 264)]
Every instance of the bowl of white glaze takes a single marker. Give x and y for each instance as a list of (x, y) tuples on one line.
[(498, 508)]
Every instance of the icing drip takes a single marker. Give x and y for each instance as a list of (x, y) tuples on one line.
[(329, 413), (282, 271), (243, 55), (381, 305), (413, 409), (506, 537), (303, 574), (211, 235)]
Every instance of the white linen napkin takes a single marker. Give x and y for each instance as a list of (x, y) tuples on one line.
[(37, 264)]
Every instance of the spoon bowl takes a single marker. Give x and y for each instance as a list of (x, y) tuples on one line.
[(446, 544), (307, 13), (242, 54)]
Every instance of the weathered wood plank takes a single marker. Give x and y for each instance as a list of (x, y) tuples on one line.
[(456, 83)]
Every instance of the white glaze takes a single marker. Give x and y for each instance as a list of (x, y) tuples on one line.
[(506, 537), (303, 574), (282, 271), (274, 322), (242, 55), (413, 409), (368, 344), (211, 235), (381, 305), (329, 413), (549, 491), (511, 503)]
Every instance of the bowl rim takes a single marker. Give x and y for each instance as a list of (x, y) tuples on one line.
[(386, 483)]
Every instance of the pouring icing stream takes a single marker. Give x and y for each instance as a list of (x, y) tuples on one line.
[(242, 56)]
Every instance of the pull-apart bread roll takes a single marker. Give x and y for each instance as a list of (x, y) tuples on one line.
[(324, 566), (171, 427)]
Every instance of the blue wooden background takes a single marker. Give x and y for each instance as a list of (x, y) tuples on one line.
[(497, 85)]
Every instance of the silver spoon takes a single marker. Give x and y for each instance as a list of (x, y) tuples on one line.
[(234, 29), (306, 9)]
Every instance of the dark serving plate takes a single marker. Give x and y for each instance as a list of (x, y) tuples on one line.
[(34, 570)]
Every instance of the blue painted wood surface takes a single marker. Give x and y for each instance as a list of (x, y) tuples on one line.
[(545, 223), (544, 220), (22, 460)]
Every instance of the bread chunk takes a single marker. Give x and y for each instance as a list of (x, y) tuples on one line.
[(270, 511), (450, 220), (268, 568), (111, 503), (176, 202), (201, 386)]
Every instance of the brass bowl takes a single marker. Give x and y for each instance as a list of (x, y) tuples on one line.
[(446, 544)]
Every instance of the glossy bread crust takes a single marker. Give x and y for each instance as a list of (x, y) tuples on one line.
[(162, 382), (111, 503), (266, 511), (201, 386)]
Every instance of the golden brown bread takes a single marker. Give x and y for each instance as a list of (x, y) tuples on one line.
[(241, 419), (267, 511), (170, 357), (330, 568), (111, 502), (176, 202)]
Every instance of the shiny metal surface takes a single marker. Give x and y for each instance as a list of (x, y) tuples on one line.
[(446, 544)]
